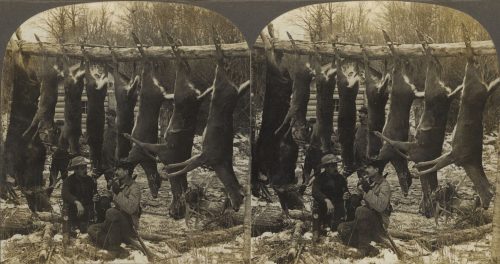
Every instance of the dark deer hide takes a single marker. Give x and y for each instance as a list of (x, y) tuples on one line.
[(50, 76), (467, 143), (430, 131), (126, 94), (217, 145), (179, 135), (377, 97), (151, 97), (73, 89), (348, 92), (96, 85), (402, 94), (24, 158)]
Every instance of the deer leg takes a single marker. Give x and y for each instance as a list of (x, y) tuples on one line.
[(429, 184), (146, 147), (226, 175), (399, 146), (438, 163), (30, 129), (189, 165), (483, 187), (404, 175), (182, 164), (287, 120), (153, 177), (384, 156)]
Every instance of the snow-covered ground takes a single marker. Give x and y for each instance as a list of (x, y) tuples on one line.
[(269, 247), (154, 220)]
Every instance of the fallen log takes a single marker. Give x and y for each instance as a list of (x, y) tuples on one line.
[(15, 221), (204, 239), (294, 250), (23, 221), (450, 238), (46, 251)]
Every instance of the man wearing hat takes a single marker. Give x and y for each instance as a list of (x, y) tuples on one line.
[(361, 141), (78, 193), (122, 220), (372, 217), (328, 191)]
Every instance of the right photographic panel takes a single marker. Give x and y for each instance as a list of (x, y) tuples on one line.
[(375, 130)]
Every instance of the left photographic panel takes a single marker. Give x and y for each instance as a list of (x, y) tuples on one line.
[(125, 136)]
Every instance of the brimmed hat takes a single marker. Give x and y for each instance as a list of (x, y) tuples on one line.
[(374, 163), (329, 159), (77, 162), (124, 164), (363, 109)]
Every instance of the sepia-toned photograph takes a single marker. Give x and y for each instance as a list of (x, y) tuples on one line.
[(125, 136), (374, 132), (233, 131)]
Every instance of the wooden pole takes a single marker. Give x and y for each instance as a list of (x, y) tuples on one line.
[(98, 53), (235, 50), (495, 241), (380, 52)]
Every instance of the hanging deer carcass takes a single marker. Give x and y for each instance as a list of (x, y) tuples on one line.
[(295, 119), (402, 94), (217, 145), (43, 121), (96, 85), (320, 142), (325, 81), (377, 96), (431, 129), (276, 103), (348, 91), (73, 88), (126, 94), (180, 132), (24, 158), (467, 143), (145, 129)]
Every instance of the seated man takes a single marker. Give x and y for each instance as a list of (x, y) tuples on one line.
[(328, 190), (372, 218), (121, 222), (78, 191)]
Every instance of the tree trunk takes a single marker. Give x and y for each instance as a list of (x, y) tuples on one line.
[(204, 239), (450, 238)]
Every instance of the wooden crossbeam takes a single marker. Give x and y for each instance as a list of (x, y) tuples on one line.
[(381, 51), (240, 50)]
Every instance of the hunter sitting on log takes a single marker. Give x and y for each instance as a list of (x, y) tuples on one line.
[(78, 193), (372, 218), (328, 190), (121, 221)]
